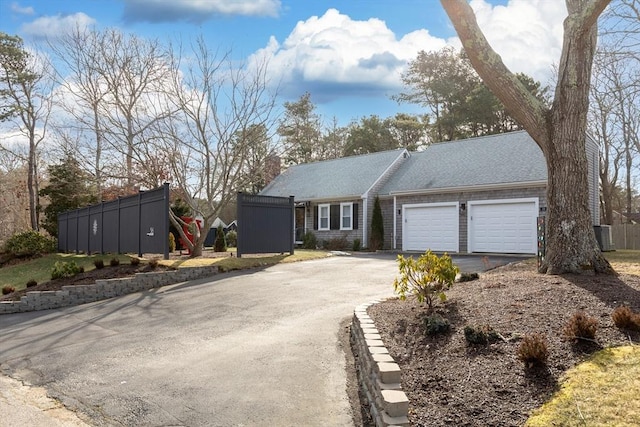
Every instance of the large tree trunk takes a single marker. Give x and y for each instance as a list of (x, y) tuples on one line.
[(560, 132)]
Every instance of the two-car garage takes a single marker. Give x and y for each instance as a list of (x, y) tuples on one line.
[(493, 226)]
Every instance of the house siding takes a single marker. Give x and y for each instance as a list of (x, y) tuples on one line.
[(593, 163), (390, 216), (323, 236)]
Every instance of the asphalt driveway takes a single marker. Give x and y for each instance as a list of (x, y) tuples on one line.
[(244, 349)]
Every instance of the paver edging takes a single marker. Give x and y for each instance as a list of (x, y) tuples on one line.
[(378, 374), (103, 289)]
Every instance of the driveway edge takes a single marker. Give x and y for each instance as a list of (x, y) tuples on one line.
[(378, 374), (103, 289)]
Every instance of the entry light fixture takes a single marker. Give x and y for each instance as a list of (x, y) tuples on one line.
[(463, 208)]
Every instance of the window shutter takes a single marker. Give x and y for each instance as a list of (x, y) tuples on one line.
[(334, 217), (355, 216), (315, 217)]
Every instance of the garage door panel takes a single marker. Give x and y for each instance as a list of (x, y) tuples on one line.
[(503, 227), (430, 227)]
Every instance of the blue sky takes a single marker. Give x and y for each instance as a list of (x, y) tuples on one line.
[(348, 55)]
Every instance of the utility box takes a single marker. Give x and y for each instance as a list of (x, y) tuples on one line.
[(603, 236)]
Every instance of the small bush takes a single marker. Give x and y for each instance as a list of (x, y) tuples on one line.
[(8, 289), (436, 324), (114, 262), (172, 242), (357, 245), (533, 350), (427, 278), (29, 243), (135, 261), (232, 239), (153, 263), (65, 269), (31, 283), (336, 244), (480, 335), (98, 263), (309, 241), (580, 326), (220, 244), (625, 318)]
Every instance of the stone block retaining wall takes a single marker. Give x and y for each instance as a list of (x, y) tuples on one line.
[(103, 289), (378, 374)]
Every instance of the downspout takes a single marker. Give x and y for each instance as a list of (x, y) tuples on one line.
[(365, 217)]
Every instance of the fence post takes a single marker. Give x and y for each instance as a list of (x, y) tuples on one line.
[(292, 212), (240, 200), (166, 220), (139, 223)]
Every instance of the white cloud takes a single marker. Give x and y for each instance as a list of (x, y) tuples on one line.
[(335, 54), (53, 26), (16, 8), (526, 33), (195, 10)]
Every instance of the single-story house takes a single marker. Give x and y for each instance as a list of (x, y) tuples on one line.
[(477, 195)]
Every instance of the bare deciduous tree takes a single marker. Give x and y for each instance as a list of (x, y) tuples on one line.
[(560, 130)]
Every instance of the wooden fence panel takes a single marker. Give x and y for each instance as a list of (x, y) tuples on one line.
[(626, 236)]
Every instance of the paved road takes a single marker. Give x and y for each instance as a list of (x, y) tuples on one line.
[(257, 348), (247, 349)]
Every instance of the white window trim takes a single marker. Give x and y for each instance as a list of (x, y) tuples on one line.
[(328, 227), (350, 216)]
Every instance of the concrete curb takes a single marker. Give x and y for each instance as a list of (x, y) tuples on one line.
[(103, 289), (378, 374)]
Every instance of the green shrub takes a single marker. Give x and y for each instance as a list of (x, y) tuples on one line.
[(172, 242), (65, 269), (98, 263), (427, 277), (29, 243), (357, 245), (625, 318), (436, 324), (309, 241), (135, 261), (580, 326), (480, 335), (232, 239), (8, 289), (31, 283), (114, 262), (220, 245), (533, 350)]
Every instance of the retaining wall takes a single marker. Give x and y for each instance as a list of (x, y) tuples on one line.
[(378, 374), (103, 289)]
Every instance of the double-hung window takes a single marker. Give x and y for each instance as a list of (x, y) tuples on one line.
[(346, 216), (323, 217)]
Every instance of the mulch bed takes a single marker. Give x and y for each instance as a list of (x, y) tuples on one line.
[(86, 278), (450, 382)]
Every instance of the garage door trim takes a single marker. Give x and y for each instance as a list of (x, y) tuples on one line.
[(471, 204), (456, 205)]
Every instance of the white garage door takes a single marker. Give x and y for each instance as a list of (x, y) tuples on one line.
[(503, 226), (430, 226)]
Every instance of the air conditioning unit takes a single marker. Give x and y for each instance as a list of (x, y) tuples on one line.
[(603, 236)]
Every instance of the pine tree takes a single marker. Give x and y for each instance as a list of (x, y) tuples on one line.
[(377, 227)]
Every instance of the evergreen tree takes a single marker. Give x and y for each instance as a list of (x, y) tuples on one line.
[(376, 241), (69, 188)]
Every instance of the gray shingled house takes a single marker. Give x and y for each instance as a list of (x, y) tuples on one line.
[(478, 195)]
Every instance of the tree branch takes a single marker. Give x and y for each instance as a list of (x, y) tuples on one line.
[(518, 101)]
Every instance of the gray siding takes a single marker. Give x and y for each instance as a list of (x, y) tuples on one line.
[(390, 215), (325, 235), (593, 175)]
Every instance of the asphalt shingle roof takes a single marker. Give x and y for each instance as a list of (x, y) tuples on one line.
[(332, 179), (496, 159)]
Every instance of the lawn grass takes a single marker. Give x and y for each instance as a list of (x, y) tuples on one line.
[(602, 391), (39, 269), (249, 261), (624, 261)]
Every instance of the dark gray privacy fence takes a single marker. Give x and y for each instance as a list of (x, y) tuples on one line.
[(265, 224), (134, 224)]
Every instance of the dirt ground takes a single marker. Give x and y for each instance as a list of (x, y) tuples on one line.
[(450, 382)]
